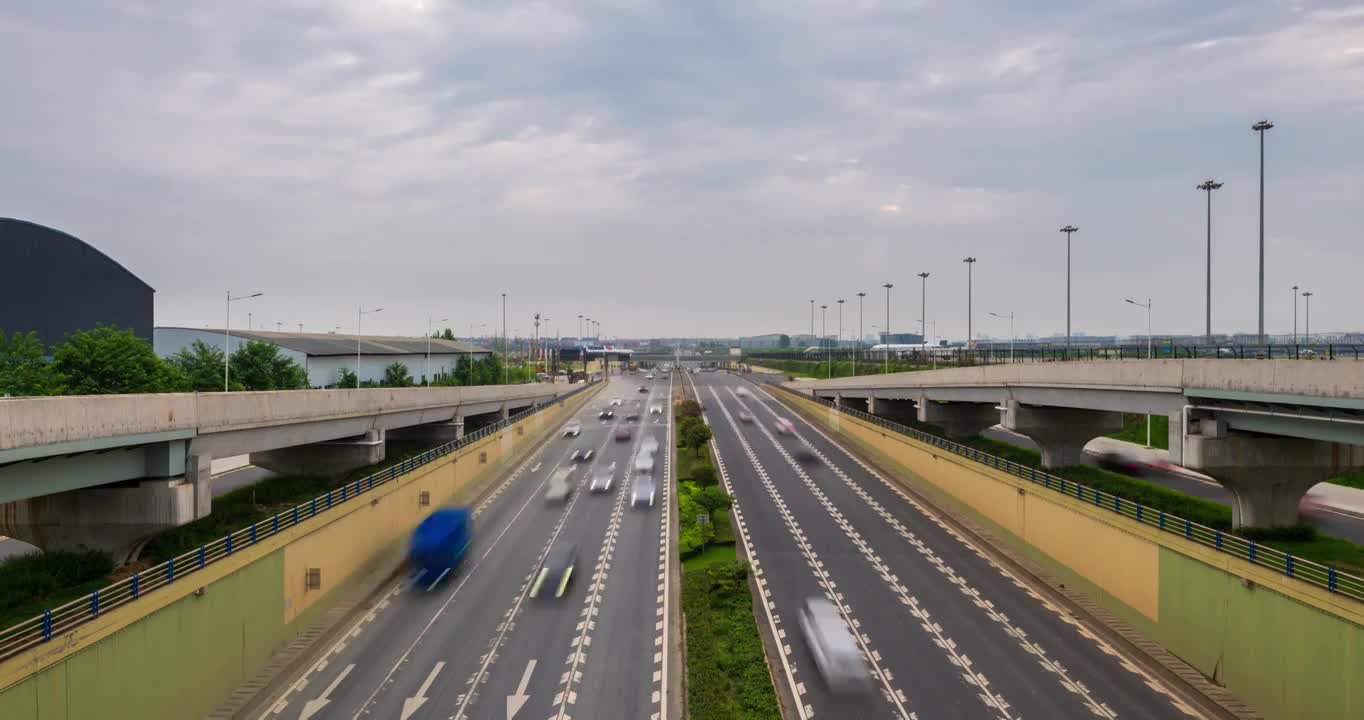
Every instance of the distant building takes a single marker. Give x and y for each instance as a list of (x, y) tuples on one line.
[(56, 284), (765, 342), (324, 355)]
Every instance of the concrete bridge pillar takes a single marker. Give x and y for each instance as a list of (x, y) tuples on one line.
[(1267, 475), (959, 419), (891, 409), (504, 412), (113, 518), (326, 459), (199, 474), (1061, 433)]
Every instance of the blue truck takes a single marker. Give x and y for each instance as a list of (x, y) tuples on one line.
[(439, 544)]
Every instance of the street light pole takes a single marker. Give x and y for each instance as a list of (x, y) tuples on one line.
[(923, 307), (1295, 315), (1207, 187), (427, 376), (812, 318), (823, 332), (885, 351), (1307, 318), (1260, 128), (839, 345), (1011, 333), (857, 349), (1150, 354), (360, 312), (227, 331), (1068, 230), (505, 358), (970, 262)]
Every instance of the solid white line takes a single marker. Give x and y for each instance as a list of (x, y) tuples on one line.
[(667, 541)]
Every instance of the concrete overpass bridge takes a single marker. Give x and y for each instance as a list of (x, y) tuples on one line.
[(103, 471), (1268, 430)]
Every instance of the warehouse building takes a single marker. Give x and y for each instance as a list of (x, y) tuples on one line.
[(56, 284), (324, 355)]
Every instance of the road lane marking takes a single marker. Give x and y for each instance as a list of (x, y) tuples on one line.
[(313, 707), (518, 699), (1093, 705), (413, 704)]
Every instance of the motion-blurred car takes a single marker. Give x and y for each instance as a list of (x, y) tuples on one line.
[(745, 416), (606, 414), (831, 644), (742, 392), (582, 454), (649, 445), (616, 401), (573, 430), (650, 376), (560, 486), (783, 426), (645, 490), (632, 416), (805, 456), (602, 478), (1116, 462), (622, 434), (644, 463), (655, 409), (556, 572), (644, 388)]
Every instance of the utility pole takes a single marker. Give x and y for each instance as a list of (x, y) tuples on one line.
[(857, 349), (1207, 187), (1295, 314), (839, 345), (1150, 354), (823, 333), (427, 376), (1068, 230), (1260, 128), (969, 263), (923, 308), (227, 332), (505, 358), (360, 312), (1011, 332), (812, 318), (1307, 318), (885, 351)]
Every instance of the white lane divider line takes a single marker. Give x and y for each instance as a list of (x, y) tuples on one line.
[(1098, 708), (816, 565), (662, 606)]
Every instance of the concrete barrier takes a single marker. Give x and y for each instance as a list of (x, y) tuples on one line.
[(181, 650), (1288, 649)]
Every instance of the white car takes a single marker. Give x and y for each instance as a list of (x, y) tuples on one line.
[(650, 376), (645, 490), (742, 392), (573, 430), (655, 409), (649, 445), (784, 426), (616, 401), (582, 454), (644, 463), (560, 486), (832, 645), (602, 478), (745, 416)]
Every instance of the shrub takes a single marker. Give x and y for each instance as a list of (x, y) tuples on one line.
[(703, 475)]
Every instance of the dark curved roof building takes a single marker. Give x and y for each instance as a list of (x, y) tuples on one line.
[(54, 284)]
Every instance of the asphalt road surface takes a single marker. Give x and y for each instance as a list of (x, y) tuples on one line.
[(945, 631), (476, 646)]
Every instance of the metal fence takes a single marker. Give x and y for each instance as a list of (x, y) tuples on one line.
[(63, 619), (995, 353), (1322, 576)]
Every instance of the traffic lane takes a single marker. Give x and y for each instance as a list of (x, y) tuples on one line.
[(1327, 520), (791, 575), (406, 635), (1021, 619)]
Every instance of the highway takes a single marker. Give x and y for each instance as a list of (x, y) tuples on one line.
[(477, 646), (947, 632)]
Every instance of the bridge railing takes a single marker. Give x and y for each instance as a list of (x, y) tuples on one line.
[(997, 354), (1323, 576), (59, 620)]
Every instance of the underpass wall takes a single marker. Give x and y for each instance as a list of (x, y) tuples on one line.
[(179, 651), (1288, 649)]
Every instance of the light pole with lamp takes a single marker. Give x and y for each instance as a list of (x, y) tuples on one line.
[(427, 377), (857, 349), (1011, 331), (885, 352), (923, 307), (1295, 315), (1207, 187), (1150, 354), (1068, 230), (227, 331), (823, 332), (505, 358), (970, 262), (1307, 318), (839, 345), (1260, 128), (360, 312)]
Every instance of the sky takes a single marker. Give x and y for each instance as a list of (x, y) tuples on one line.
[(696, 168)]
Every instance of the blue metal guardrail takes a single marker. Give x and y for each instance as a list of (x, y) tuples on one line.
[(997, 353), (56, 621), (1322, 576)]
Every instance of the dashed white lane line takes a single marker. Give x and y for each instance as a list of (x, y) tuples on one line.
[(882, 676), (661, 607), (1096, 707)]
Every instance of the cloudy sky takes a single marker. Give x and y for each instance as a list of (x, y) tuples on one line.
[(697, 167)]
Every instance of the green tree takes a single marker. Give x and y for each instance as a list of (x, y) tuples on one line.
[(345, 378), (703, 475), (446, 334), (23, 369), (202, 366), (396, 375), (713, 499), (693, 433), (689, 408), (108, 360), (260, 366)]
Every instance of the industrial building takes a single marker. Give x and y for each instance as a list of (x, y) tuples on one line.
[(324, 355), (56, 284), (765, 342)]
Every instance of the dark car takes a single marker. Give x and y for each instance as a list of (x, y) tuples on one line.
[(582, 454), (644, 388), (622, 434), (606, 414), (632, 416), (805, 456), (556, 572)]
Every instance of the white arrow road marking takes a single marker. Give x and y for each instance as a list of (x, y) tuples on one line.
[(414, 703), (517, 701), (313, 707), (536, 468)]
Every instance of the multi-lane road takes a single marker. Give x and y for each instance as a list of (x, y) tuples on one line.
[(946, 630), (478, 646)]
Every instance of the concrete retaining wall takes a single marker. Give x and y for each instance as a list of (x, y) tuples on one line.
[(1288, 649), (175, 654)]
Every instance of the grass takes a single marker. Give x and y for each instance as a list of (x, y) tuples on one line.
[(32, 583), (1134, 430), (727, 676), (712, 554), (1354, 480), (1302, 541)]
